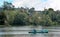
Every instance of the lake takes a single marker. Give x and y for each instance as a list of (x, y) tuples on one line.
[(23, 31)]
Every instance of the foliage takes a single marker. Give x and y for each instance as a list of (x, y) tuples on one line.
[(8, 6), (23, 16)]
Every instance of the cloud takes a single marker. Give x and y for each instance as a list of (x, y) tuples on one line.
[(55, 4), (38, 4)]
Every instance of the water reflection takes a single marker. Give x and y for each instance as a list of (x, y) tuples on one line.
[(21, 32), (3, 32)]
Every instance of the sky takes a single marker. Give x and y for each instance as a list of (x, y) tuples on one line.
[(1, 1), (37, 4)]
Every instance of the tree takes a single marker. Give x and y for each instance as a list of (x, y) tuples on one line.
[(31, 10), (3, 19), (8, 6), (19, 19), (50, 9)]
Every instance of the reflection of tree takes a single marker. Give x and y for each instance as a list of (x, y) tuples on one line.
[(51, 35)]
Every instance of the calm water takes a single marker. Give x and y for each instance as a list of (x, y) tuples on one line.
[(23, 32)]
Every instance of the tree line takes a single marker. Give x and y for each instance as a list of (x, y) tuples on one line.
[(25, 16)]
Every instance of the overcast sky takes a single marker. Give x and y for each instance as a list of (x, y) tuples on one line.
[(37, 4)]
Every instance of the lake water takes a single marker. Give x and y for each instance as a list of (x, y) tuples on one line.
[(23, 31)]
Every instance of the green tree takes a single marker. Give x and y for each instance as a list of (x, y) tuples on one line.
[(8, 6)]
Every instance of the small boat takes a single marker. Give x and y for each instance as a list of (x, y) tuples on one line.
[(41, 31)]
